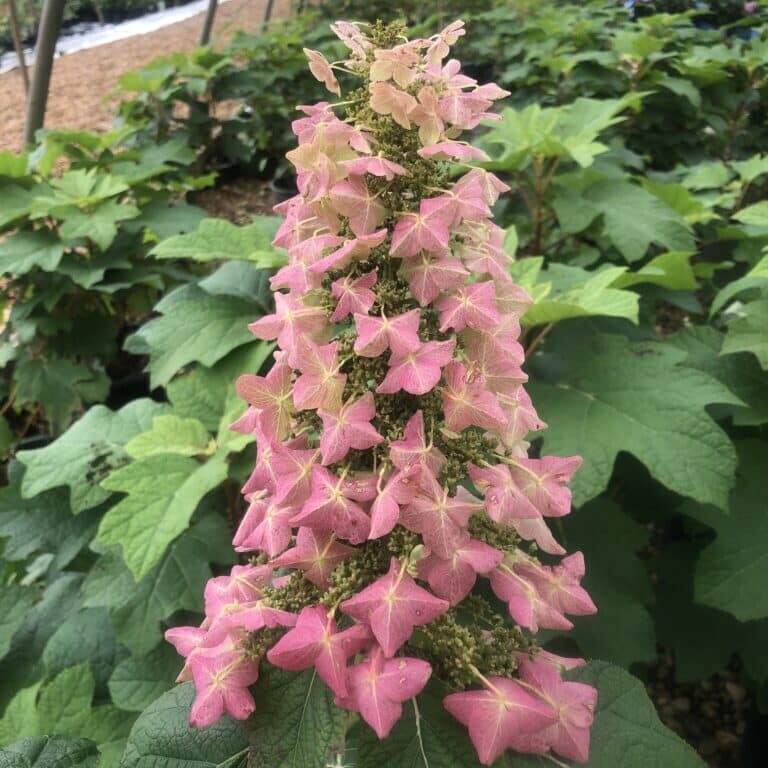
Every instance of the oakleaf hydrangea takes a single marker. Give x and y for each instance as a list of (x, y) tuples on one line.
[(397, 528)]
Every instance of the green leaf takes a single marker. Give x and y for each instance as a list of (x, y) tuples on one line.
[(164, 219), (692, 208), (175, 584), (240, 279), (426, 736), (749, 333), (137, 682), (511, 240), (59, 385), (636, 44), (64, 704), (709, 175), (49, 752), (99, 224), (670, 270), (163, 492), (13, 165), (574, 213), (23, 667), (755, 215), (20, 718), (568, 131), (171, 434), (195, 327), (201, 393), (618, 582), (296, 724), (681, 623), (15, 202), (109, 727), (576, 292), (218, 239), (77, 187), (162, 736), (732, 571), (15, 601), (154, 158), (756, 278), (62, 707), (753, 168), (22, 252), (41, 524), (740, 372), (634, 219), (87, 452), (84, 636), (627, 731), (615, 396), (682, 87)]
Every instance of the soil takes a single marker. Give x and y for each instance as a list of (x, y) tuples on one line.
[(82, 82), (237, 200), (712, 715)]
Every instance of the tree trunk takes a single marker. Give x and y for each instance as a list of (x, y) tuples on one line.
[(99, 12), (47, 34), (210, 15), (267, 14), (17, 46)]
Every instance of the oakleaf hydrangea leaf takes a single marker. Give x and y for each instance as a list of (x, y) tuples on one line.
[(137, 681), (732, 571), (615, 395), (634, 218), (162, 736), (15, 602), (617, 580), (86, 453), (296, 724), (162, 493), (750, 332), (196, 325), (49, 752), (22, 252), (627, 731), (171, 434), (216, 239), (174, 584)]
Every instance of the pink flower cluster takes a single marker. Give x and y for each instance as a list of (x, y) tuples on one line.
[(311, 508)]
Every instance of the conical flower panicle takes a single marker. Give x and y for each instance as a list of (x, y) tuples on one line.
[(397, 381)]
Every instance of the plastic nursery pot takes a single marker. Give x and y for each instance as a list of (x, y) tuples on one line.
[(127, 388), (480, 71), (33, 441), (283, 187)]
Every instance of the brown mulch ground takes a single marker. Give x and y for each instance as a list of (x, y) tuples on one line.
[(711, 715), (82, 81), (237, 200)]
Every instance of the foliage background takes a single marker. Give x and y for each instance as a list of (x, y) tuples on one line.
[(634, 142)]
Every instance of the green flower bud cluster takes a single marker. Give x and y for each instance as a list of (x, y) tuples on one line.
[(293, 595), (455, 649), (450, 648), (483, 528), (357, 571), (495, 655), (258, 643), (367, 563), (471, 448)]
